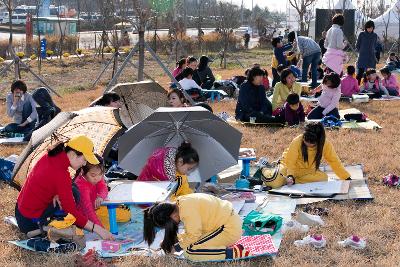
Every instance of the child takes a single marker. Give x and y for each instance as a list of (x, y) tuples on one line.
[(176, 98), (349, 84), (279, 50), (211, 227), (293, 111), (393, 61), (187, 82), (92, 188), (328, 102), (180, 66), (171, 164), (301, 160), (282, 89), (373, 85), (389, 81)]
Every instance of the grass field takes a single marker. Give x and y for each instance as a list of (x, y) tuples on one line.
[(378, 151)]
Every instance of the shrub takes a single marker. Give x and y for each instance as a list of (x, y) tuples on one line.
[(33, 57), (49, 53), (66, 55), (108, 49), (1, 60), (79, 51), (20, 54)]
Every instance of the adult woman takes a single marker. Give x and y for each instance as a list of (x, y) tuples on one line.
[(301, 160), (283, 88), (206, 75), (211, 226), (22, 108), (49, 179), (334, 43), (252, 101), (366, 43)]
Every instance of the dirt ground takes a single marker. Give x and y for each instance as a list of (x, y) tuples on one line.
[(378, 151)]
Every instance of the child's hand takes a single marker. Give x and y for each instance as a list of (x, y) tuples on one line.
[(97, 202), (56, 200), (290, 180)]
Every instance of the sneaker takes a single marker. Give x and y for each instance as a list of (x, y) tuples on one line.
[(294, 225), (354, 242), (317, 241), (309, 219)]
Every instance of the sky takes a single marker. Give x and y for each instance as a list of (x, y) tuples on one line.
[(276, 5)]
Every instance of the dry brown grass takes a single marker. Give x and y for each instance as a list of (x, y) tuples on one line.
[(378, 151)]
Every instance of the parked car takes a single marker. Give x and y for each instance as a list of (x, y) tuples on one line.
[(242, 30)]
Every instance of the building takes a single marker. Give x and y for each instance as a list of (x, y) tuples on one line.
[(54, 25)]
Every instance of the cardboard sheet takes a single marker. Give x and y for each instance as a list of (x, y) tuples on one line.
[(322, 189)]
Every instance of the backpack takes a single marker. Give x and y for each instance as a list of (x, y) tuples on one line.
[(331, 122), (6, 169), (358, 117)]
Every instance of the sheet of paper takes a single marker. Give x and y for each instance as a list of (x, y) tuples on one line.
[(318, 188), (133, 192)]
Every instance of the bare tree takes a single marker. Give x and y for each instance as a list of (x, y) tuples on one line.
[(386, 22), (228, 15), (301, 7), (143, 15), (10, 8)]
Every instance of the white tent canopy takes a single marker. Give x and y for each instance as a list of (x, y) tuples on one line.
[(389, 19)]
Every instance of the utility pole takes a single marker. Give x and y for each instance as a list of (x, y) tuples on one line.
[(241, 14)]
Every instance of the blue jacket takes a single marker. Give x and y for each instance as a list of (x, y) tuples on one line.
[(279, 53), (252, 101)]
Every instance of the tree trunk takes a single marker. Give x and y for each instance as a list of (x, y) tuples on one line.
[(141, 55), (10, 39)]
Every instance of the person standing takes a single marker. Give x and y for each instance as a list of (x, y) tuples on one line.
[(322, 42), (366, 44), (246, 39), (311, 53)]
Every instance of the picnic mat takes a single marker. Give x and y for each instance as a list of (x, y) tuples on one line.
[(387, 98), (368, 125), (232, 120), (258, 244), (12, 141)]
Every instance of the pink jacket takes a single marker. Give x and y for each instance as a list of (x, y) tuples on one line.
[(160, 166), (391, 82), (176, 71), (349, 86), (334, 59), (329, 99), (88, 194)]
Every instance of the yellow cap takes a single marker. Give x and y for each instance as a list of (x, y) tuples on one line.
[(83, 144)]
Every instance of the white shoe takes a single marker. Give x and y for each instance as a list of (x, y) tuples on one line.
[(309, 219), (354, 242), (317, 241), (294, 225)]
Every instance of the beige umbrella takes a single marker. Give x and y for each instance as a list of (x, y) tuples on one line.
[(101, 124)]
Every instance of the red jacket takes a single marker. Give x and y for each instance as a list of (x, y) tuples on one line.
[(88, 193), (48, 178)]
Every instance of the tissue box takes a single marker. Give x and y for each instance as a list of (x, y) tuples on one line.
[(117, 245), (360, 98)]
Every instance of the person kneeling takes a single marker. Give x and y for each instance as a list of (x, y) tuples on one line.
[(301, 160), (211, 227)]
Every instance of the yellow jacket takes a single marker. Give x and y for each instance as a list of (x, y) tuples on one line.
[(281, 92), (274, 61), (201, 214), (183, 186), (292, 159)]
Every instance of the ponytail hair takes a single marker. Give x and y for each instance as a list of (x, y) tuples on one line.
[(187, 153), (60, 147), (314, 134), (159, 215)]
